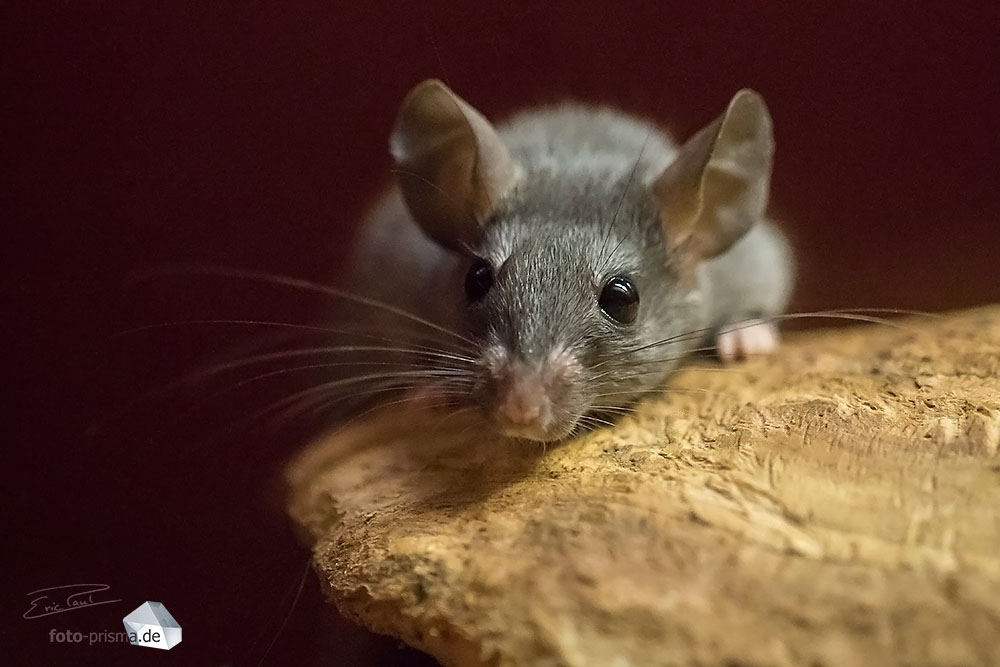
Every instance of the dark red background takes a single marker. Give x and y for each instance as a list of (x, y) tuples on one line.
[(140, 133)]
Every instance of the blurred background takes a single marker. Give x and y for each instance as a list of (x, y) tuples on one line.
[(254, 136)]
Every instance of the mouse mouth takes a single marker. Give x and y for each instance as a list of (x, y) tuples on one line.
[(537, 433), (529, 417)]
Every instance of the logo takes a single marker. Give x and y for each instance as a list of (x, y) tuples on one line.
[(150, 624)]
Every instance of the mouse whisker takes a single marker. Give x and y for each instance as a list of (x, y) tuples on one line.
[(666, 390), (295, 283), (593, 422), (621, 201), (243, 322), (454, 412), (853, 314), (212, 371), (399, 401), (677, 357), (318, 397), (299, 369), (710, 369), (641, 371), (313, 405), (622, 387), (617, 409), (283, 355), (618, 371), (294, 326)]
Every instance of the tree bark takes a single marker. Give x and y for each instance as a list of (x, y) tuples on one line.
[(838, 503)]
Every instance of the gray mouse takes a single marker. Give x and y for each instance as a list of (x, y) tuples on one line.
[(559, 266)]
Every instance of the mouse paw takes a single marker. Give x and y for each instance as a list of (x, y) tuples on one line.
[(745, 339)]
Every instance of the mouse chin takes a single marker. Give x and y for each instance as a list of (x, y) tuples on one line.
[(549, 433)]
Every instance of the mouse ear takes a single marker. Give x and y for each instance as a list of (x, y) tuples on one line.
[(453, 167), (717, 187)]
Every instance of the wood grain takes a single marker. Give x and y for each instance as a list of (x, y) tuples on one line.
[(836, 504)]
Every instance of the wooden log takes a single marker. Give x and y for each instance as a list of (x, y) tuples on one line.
[(836, 504)]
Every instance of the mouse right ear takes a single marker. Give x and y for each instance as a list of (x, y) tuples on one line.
[(453, 167), (717, 187)]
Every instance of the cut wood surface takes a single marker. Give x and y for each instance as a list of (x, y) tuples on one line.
[(836, 504)]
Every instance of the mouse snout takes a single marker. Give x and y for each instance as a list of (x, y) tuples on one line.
[(524, 402), (530, 396)]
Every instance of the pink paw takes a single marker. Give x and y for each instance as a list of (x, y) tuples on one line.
[(744, 339)]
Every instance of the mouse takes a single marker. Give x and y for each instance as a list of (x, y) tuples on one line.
[(547, 272)]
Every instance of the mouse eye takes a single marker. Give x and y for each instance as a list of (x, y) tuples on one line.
[(478, 280), (620, 300)]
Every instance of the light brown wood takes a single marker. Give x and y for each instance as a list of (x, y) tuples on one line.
[(836, 504)]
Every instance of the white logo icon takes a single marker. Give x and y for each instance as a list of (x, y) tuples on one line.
[(150, 624)]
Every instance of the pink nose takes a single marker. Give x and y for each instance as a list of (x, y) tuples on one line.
[(524, 402)]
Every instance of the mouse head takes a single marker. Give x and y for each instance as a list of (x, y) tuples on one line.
[(577, 269)]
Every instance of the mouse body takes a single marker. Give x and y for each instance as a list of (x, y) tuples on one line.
[(559, 266)]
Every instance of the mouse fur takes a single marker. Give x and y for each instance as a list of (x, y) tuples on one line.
[(575, 203)]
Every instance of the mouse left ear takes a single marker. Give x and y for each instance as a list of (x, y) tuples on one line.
[(454, 168), (717, 188)]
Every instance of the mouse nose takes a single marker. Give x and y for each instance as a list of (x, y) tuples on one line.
[(524, 402), (529, 397)]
